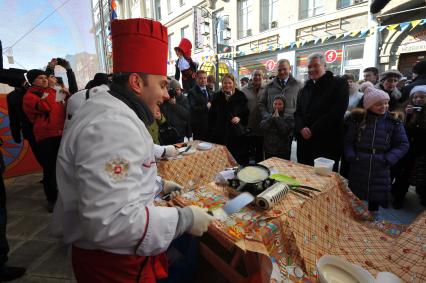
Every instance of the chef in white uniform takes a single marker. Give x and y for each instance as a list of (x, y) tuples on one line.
[(107, 173)]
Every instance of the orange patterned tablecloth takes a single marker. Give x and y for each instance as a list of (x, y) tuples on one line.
[(200, 167), (299, 230)]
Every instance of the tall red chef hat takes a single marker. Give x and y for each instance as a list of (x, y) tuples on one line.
[(185, 46), (139, 45)]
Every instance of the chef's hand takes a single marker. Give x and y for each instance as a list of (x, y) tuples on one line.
[(235, 120), (306, 133), (201, 221), (170, 151), (171, 188)]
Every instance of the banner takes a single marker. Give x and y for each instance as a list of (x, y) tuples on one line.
[(18, 158)]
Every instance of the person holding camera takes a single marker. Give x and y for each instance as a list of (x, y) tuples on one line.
[(176, 112), (413, 165), (47, 116), (50, 72)]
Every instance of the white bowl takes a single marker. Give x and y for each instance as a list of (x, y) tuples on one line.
[(333, 269), (204, 146), (323, 166)]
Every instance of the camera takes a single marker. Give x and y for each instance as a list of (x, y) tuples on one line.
[(172, 93)]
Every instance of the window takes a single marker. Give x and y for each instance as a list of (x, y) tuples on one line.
[(170, 45), (223, 23), (268, 14), (184, 32), (181, 2), (310, 8), (346, 3), (157, 5), (244, 15), (169, 7)]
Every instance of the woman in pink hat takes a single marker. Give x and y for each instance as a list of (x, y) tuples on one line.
[(374, 142)]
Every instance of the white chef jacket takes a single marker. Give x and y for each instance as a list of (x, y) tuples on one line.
[(107, 182)]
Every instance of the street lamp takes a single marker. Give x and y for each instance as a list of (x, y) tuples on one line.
[(226, 34)]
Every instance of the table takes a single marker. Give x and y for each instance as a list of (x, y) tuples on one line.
[(200, 167), (299, 230)]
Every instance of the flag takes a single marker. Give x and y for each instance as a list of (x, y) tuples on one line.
[(392, 27), (355, 33), (346, 34), (415, 23), (316, 40), (364, 31), (339, 35), (380, 28), (404, 26), (113, 10)]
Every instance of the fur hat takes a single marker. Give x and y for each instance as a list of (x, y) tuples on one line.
[(420, 68), (390, 74), (33, 74), (372, 95), (418, 88), (174, 84)]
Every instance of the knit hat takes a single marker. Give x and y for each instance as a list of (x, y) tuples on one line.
[(418, 88), (420, 68), (390, 74), (174, 84), (33, 74), (372, 95)]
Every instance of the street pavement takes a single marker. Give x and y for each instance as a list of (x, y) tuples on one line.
[(31, 246), (47, 259)]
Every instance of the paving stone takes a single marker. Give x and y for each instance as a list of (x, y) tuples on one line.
[(55, 263), (27, 226), (29, 253)]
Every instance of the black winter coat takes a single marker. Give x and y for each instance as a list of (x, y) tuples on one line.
[(178, 115), (18, 121), (420, 80), (221, 130), (320, 107), (199, 112), (278, 134), (371, 150)]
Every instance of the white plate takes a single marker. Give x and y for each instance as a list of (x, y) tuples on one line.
[(204, 146), (191, 151), (339, 270)]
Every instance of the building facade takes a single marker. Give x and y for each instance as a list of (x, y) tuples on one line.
[(245, 35)]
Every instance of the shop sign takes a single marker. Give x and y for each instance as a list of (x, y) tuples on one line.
[(413, 43), (270, 65), (330, 56)]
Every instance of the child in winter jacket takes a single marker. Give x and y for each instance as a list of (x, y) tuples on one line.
[(374, 142), (278, 131), (413, 166)]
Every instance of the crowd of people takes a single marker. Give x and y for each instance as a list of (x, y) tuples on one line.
[(104, 137)]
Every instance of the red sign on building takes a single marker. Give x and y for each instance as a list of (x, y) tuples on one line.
[(330, 56)]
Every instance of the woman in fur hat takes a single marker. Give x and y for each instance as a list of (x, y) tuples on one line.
[(374, 142), (413, 166)]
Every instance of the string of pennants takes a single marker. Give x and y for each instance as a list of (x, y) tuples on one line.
[(359, 33)]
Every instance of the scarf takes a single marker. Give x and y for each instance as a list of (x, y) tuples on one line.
[(134, 103)]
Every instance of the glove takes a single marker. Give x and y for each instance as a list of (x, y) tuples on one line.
[(170, 151), (171, 188), (201, 221)]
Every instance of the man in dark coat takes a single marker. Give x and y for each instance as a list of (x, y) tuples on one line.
[(199, 102), (321, 105), (419, 78)]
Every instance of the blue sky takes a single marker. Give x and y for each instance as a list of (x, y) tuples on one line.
[(65, 32)]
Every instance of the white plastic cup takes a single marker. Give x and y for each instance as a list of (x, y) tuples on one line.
[(323, 166)]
